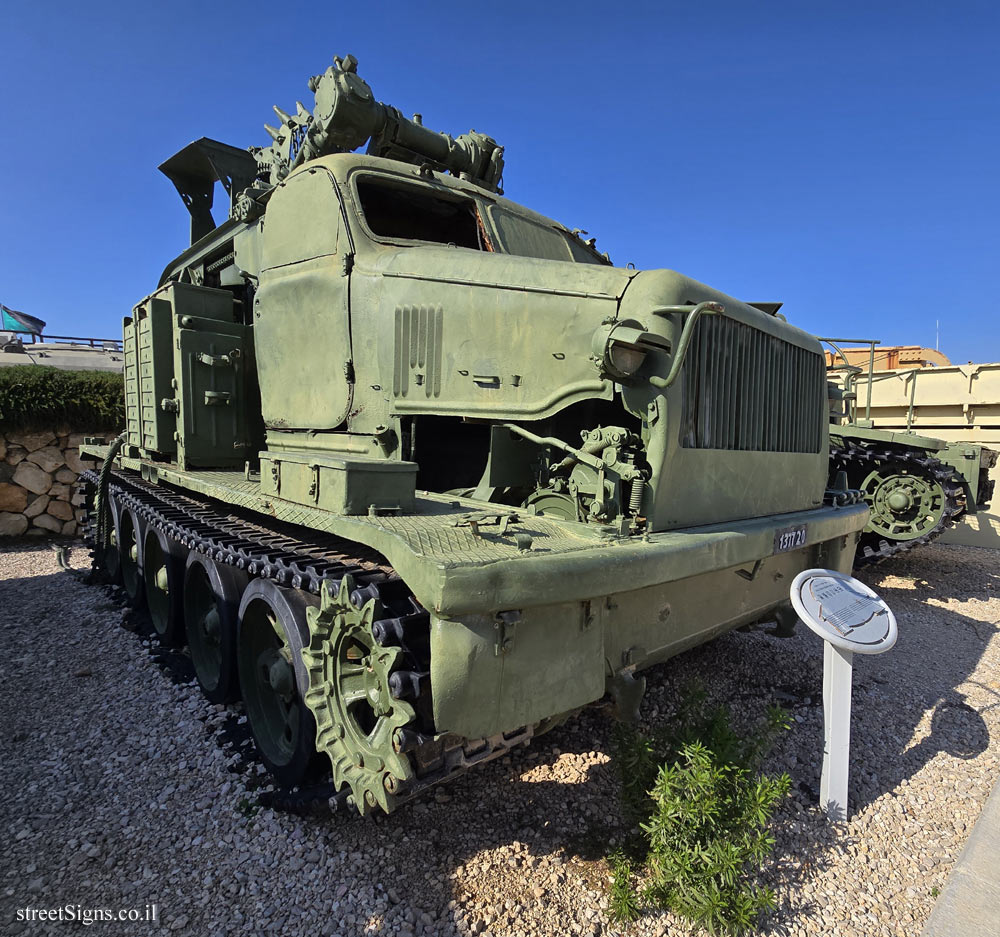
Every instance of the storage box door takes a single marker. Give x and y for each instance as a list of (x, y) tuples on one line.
[(214, 424)]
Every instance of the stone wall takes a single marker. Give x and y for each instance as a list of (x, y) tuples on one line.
[(38, 473)]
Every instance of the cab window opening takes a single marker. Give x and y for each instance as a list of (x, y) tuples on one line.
[(413, 213)]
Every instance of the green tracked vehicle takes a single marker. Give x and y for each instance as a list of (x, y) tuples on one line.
[(417, 471), (915, 486)]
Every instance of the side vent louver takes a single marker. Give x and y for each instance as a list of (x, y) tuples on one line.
[(417, 362)]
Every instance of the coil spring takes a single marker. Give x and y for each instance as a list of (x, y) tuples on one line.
[(635, 499)]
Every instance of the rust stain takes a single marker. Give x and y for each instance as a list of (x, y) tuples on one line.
[(487, 243)]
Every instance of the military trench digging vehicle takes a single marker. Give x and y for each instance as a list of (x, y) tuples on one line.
[(916, 486), (417, 471)]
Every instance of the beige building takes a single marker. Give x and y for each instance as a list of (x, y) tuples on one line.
[(888, 357)]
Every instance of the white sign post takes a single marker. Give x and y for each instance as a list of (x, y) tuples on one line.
[(851, 619)]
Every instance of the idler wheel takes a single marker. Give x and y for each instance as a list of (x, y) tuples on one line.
[(163, 575), (212, 593), (271, 632), (106, 558)]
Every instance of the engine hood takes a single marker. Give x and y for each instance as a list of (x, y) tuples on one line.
[(651, 289)]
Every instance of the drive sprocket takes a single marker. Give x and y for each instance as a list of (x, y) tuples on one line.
[(357, 716)]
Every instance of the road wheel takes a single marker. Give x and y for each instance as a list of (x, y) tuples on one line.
[(272, 631), (212, 594), (163, 575), (128, 530)]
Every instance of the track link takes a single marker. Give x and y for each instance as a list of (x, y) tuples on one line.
[(299, 558)]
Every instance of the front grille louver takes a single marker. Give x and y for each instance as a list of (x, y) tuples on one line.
[(747, 390)]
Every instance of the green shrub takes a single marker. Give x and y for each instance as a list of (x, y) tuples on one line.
[(33, 397), (699, 810), (624, 900)]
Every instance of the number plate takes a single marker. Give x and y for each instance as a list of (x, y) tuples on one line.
[(790, 538)]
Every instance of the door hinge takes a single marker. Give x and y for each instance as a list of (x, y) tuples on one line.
[(347, 264), (349, 371)]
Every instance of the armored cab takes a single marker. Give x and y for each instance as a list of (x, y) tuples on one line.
[(417, 471)]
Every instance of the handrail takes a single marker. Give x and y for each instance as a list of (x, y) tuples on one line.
[(871, 343), (694, 314), (75, 339), (38, 339)]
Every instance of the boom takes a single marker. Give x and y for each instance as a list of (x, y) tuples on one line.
[(346, 116)]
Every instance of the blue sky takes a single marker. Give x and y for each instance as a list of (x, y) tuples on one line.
[(840, 157)]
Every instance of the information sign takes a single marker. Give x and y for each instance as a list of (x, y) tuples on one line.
[(851, 619)]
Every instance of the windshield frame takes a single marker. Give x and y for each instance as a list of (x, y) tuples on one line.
[(404, 181), (484, 205)]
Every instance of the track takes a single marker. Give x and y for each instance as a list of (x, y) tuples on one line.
[(940, 483), (369, 593)]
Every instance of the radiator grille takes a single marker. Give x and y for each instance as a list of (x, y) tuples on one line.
[(745, 389)]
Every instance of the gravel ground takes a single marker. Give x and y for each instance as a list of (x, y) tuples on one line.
[(122, 787)]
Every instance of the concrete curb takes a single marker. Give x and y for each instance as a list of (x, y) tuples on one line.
[(970, 903)]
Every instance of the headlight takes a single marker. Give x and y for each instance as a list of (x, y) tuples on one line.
[(620, 348), (624, 359)]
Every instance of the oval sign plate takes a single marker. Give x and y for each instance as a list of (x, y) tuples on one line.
[(843, 611)]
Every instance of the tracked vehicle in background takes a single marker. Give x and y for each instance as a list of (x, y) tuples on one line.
[(916, 486), (417, 471)]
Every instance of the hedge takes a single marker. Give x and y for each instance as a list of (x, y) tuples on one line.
[(34, 397)]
